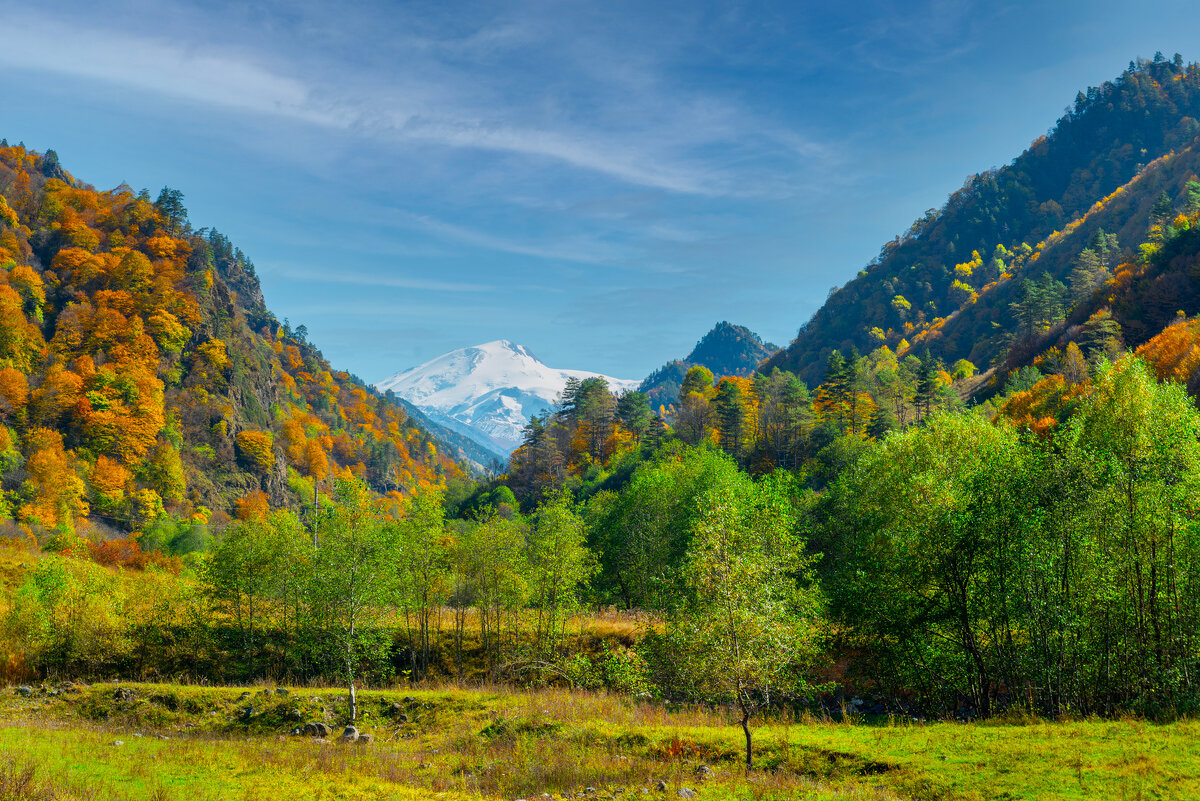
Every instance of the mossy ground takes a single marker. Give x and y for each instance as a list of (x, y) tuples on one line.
[(186, 742)]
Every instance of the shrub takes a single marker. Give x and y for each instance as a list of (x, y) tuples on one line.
[(256, 450)]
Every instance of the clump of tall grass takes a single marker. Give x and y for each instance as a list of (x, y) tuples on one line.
[(19, 782)]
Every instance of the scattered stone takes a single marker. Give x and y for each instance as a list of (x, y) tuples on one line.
[(118, 742), (25, 691), (349, 735), (408, 699), (316, 728), (661, 786), (590, 790), (161, 737), (247, 713), (364, 739), (704, 772), (686, 792), (124, 694), (281, 691), (402, 718), (295, 714)]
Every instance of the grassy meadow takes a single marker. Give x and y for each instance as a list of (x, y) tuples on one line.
[(188, 742)]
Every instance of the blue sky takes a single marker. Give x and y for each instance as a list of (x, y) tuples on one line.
[(601, 182)]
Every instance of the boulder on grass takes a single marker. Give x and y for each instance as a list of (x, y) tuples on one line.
[(316, 728)]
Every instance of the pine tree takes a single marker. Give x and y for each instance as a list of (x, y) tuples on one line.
[(927, 385), (837, 388), (731, 418), (633, 410), (1162, 208), (880, 423), (855, 380), (170, 205)]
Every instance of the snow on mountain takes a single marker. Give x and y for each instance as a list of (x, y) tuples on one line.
[(487, 392)]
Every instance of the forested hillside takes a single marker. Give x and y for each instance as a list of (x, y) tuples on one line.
[(949, 282), (1020, 535), (145, 386)]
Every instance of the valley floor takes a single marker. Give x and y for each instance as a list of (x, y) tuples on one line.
[(143, 741)]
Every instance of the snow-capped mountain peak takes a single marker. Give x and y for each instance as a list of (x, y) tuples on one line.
[(488, 391)]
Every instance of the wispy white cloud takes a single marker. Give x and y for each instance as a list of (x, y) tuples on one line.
[(228, 80), (617, 161), (908, 37), (296, 273), (632, 128), (583, 250), (340, 310)]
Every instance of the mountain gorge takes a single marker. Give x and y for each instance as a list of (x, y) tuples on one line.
[(987, 442)]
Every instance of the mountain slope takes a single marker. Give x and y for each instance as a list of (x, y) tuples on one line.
[(726, 350), (143, 382), (984, 234), (487, 392), (453, 440)]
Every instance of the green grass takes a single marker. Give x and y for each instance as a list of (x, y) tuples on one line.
[(501, 743)]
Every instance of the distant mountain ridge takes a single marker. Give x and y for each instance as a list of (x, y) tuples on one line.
[(726, 350), (487, 392)]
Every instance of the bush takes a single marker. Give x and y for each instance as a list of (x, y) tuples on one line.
[(256, 450)]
